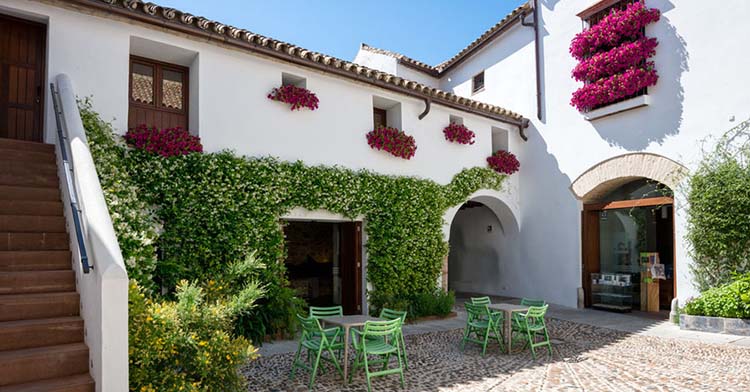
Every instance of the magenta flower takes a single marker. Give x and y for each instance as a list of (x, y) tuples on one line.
[(392, 140), (614, 88), (615, 60), (503, 162), (166, 142), (297, 97), (458, 133)]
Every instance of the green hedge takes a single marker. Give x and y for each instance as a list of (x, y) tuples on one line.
[(730, 300)]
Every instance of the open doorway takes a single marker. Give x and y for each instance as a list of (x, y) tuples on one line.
[(628, 231), (324, 263)]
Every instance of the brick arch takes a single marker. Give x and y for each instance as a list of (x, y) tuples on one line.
[(612, 173)]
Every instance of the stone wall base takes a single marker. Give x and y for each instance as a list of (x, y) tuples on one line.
[(729, 326)]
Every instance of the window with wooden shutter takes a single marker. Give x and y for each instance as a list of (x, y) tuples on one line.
[(158, 94), (477, 83)]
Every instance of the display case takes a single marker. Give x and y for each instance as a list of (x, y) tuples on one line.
[(612, 291)]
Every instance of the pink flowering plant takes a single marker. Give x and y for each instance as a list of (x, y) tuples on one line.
[(503, 162), (614, 29), (458, 133), (296, 97), (166, 142), (392, 140), (614, 57)]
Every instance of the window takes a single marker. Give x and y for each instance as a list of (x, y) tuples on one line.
[(455, 119), (477, 83), (499, 139), (293, 80), (379, 118), (158, 94)]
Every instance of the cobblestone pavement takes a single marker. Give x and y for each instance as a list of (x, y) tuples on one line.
[(585, 358)]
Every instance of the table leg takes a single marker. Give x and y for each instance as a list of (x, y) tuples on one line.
[(346, 355), (508, 332)]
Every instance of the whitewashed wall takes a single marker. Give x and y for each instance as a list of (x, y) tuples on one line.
[(701, 87)]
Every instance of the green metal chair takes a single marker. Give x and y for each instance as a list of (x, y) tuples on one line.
[(315, 340), (486, 301), (390, 314), (528, 302), (532, 325), (379, 339), (319, 312), (483, 325)]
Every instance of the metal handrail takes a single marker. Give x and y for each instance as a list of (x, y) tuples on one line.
[(62, 140)]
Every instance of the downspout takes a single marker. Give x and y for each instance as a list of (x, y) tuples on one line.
[(427, 103), (535, 25)]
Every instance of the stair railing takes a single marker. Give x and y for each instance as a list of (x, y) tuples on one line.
[(62, 141)]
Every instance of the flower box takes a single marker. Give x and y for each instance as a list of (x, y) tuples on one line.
[(296, 97), (166, 142), (503, 162), (458, 133), (392, 140)]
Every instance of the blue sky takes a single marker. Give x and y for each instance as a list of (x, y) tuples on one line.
[(427, 30)]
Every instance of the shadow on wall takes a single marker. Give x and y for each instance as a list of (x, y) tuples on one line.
[(550, 240), (636, 129)]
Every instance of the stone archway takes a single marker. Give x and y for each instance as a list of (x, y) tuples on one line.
[(612, 173)]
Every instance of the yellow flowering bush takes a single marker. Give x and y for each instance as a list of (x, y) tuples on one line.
[(189, 344)]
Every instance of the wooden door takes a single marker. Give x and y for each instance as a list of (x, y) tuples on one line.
[(350, 256), (22, 64), (590, 250), (158, 94)]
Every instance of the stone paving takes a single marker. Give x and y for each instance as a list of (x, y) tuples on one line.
[(585, 358)]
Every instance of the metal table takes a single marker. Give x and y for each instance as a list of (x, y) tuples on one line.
[(508, 309), (347, 322)]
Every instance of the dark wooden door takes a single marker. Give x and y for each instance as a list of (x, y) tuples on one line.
[(350, 254), (158, 94), (589, 250), (22, 64)]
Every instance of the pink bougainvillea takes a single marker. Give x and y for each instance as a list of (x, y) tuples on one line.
[(393, 141), (503, 162), (297, 97), (613, 29), (166, 142), (614, 87), (458, 133), (613, 56), (615, 60)]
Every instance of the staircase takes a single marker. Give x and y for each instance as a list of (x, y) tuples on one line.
[(41, 332)]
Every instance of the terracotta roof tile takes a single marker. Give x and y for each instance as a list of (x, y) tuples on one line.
[(182, 21)]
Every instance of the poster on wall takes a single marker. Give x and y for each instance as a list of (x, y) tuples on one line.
[(657, 271)]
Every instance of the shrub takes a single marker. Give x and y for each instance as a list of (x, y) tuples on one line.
[(166, 142), (187, 344), (458, 133), (296, 97), (436, 303), (731, 300), (392, 140), (718, 225), (503, 162)]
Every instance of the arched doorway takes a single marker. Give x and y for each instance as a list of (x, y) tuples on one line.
[(626, 231), (483, 257)]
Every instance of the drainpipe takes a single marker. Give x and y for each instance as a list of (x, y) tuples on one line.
[(535, 25)]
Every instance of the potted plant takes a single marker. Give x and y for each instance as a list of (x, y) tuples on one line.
[(393, 140)]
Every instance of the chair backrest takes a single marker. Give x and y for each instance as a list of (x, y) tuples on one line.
[(535, 314), (390, 314), (309, 325), (476, 312), (326, 311), (480, 300), (532, 302), (381, 328)]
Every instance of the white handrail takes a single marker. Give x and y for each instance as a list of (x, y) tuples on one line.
[(104, 294)]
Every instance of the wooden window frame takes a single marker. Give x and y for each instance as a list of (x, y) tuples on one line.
[(474, 89), (159, 67), (382, 112)]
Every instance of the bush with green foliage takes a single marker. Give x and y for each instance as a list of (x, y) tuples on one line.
[(188, 344), (718, 195), (730, 300), (437, 303)]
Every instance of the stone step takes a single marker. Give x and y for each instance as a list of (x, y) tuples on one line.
[(37, 306), (25, 193), (20, 334), (37, 282), (32, 224), (33, 241), (27, 156), (38, 260), (31, 207), (42, 363), (77, 383), (23, 145)]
